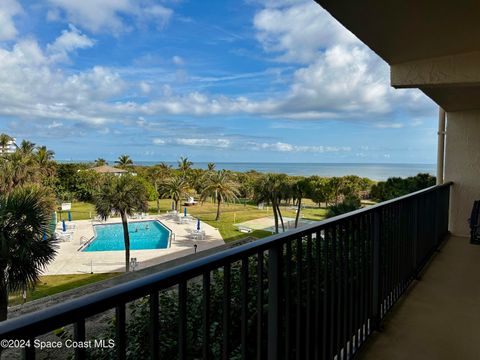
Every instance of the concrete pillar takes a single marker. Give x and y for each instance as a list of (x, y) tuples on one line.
[(462, 166)]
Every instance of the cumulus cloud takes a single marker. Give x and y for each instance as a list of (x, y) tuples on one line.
[(106, 15), (68, 41), (8, 10), (197, 142), (286, 147), (31, 86), (223, 143)]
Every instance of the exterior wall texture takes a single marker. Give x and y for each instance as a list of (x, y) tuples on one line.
[(462, 166)]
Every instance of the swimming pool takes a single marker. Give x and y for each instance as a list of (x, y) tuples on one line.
[(144, 235)]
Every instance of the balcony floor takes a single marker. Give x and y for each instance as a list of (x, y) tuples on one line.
[(439, 318)]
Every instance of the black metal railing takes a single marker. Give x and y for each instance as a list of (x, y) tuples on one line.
[(316, 292)]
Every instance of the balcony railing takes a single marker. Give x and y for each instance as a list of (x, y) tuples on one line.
[(316, 292)]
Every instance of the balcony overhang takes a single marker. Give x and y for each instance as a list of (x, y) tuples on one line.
[(430, 45)]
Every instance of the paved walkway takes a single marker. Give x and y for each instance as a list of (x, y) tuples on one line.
[(70, 260), (440, 317), (268, 223)]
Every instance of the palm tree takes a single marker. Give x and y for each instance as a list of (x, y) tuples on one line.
[(300, 188), (27, 147), (210, 166), (221, 185), (124, 161), (101, 162), (4, 141), (175, 188), (158, 174), (184, 165), (123, 195), (43, 158), (27, 244), (17, 170), (271, 188)]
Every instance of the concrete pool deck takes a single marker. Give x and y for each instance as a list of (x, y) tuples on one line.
[(69, 260)]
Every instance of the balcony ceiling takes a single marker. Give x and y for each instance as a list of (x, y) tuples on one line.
[(407, 30), (408, 33)]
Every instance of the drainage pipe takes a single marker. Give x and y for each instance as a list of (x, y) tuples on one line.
[(441, 146)]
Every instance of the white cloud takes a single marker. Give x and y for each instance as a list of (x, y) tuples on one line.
[(177, 60), (32, 87), (299, 30), (197, 142), (8, 10), (106, 15), (68, 41), (392, 125), (286, 147)]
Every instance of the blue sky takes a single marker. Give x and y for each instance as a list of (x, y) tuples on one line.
[(264, 81)]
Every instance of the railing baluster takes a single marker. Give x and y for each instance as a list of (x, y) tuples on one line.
[(308, 337), (79, 336), (260, 306), (299, 318), (154, 325), (244, 311), (274, 259), (182, 320), (121, 340), (226, 312), (28, 352), (318, 294), (206, 316), (326, 295), (376, 271), (288, 298)]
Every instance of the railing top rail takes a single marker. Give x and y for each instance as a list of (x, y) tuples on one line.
[(38, 322)]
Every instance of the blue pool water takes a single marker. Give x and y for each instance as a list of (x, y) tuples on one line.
[(143, 235)]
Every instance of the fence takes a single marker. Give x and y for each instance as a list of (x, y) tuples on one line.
[(316, 292)]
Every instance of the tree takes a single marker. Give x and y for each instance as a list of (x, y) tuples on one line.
[(4, 141), (27, 243), (184, 165), (124, 161), (101, 162), (157, 175), (301, 188), (350, 203), (27, 148), (17, 170), (210, 166), (221, 185), (44, 157), (175, 188), (271, 188), (123, 195)]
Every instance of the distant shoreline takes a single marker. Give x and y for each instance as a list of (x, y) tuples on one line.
[(374, 171)]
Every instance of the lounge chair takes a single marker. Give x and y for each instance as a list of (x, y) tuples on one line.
[(190, 201), (63, 236), (244, 229), (474, 222)]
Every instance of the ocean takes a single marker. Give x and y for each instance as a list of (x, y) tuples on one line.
[(376, 172), (373, 171)]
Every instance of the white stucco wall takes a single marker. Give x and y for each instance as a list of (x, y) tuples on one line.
[(462, 166)]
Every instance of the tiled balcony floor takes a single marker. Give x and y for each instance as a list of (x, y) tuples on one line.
[(439, 318)]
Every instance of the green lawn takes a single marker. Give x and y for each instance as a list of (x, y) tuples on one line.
[(80, 211), (53, 284), (234, 214)]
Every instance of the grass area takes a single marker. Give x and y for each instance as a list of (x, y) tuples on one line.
[(53, 284), (234, 214), (80, 211)]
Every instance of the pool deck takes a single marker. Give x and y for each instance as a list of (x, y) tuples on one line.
[(70, 260)]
